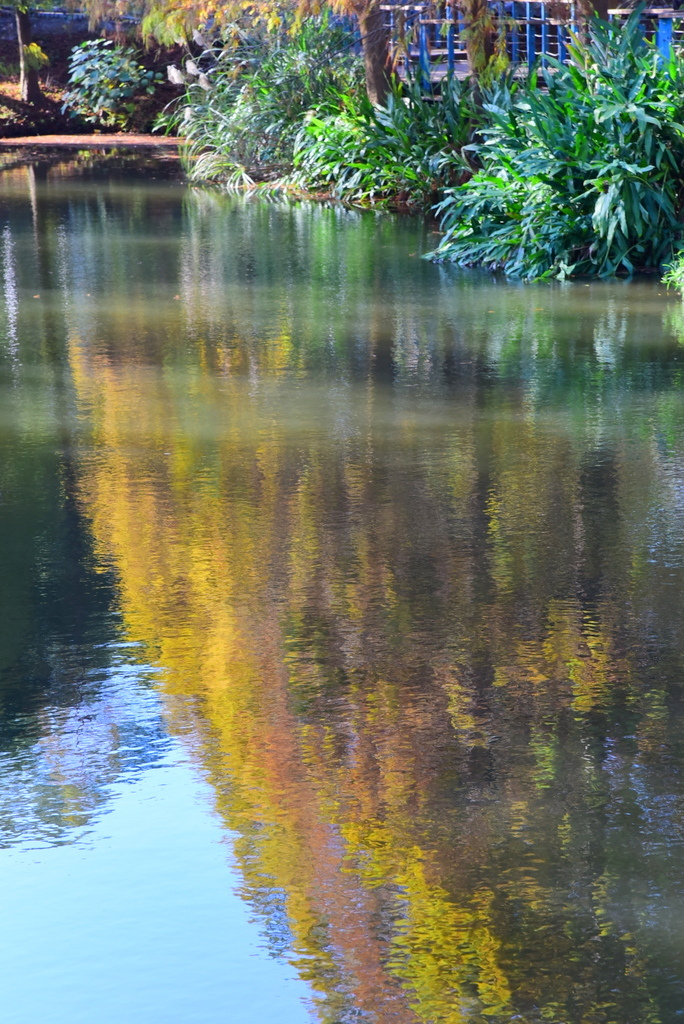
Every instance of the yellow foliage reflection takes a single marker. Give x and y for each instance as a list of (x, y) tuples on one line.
[(405, 635), (347, 713)]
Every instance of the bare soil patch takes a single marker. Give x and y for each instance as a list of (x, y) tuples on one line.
[(117, 140)]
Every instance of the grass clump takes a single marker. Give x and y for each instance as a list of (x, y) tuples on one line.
[(674, 275), (580, 173), (293, 109), (241, 116), (405, 151)]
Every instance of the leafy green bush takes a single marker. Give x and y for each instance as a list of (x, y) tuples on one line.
[(240, 119), (406, 150), (34, 57), (104, 80), (583, 175), (9, 69), (674, 274)]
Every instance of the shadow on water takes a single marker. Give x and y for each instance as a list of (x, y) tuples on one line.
[(405, 549)]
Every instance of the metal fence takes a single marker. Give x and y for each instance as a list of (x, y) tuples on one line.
[(430, 38)]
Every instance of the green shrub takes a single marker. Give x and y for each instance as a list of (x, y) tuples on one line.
[(407, 150), (583, 175), (674, 274), (241, 119), (8, 69), (104, 80), (34, 57)]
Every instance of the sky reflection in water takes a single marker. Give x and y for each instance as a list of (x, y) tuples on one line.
[(393, 557)]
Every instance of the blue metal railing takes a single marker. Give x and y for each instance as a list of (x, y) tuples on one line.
[(433, 34)]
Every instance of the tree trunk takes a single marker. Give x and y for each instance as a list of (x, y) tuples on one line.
[(376, 55), (29, 84), (480, 35)]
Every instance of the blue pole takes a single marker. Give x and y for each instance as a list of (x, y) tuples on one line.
[(451, 59), (501, 17), (424, 57), (531, 42), (664, 37), (515, 41), (544, 33)]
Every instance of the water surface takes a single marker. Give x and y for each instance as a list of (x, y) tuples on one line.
[(342, 621)]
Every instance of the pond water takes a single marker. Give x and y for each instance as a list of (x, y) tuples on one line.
[(341, 621)]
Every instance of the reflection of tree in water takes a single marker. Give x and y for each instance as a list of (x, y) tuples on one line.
[(427, 605), (68, 728), (431, 700)]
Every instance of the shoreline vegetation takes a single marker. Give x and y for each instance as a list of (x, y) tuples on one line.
[(574, 170), (565, 170)]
